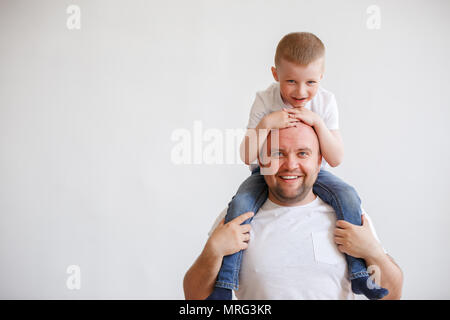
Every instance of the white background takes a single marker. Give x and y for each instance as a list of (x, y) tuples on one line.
[(86, 118)]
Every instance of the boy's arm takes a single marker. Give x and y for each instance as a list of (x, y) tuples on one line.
[(251, 144), (331, 144), (254, 138)]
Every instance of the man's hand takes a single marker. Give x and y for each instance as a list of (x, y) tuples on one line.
[(231, 237), (357, 241), (279, 120), (304, 115)]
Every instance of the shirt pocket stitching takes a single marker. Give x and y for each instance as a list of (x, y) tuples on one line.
[(321, 239)]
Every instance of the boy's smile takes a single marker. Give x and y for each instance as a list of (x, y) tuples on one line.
[(298, 83)]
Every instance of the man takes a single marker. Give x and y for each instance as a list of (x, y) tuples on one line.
[(295, 247)]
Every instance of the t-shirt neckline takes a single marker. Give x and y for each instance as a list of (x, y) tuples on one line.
[(273, 205)]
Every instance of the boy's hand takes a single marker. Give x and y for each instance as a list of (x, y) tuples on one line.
[(231, 237), (356, 241), (305, 115), (280, 119)]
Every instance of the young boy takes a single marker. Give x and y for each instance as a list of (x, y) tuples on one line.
[(296, 96)]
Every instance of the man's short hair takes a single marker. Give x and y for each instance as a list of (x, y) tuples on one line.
[(299, 47)]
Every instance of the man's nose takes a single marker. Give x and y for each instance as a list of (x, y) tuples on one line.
[(291, 162)]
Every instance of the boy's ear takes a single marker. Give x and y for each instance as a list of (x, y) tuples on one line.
[(274, 73)]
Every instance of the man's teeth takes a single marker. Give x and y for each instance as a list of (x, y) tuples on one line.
[(289, 177)]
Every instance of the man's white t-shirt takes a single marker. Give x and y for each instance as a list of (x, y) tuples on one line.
[(292, 255), (269, 100)]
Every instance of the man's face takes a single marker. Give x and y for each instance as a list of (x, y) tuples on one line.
[(296, 162), (298, 84)]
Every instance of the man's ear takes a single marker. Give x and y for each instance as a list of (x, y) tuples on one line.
[(274, 73)]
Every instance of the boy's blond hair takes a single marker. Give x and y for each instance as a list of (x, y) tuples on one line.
[(299, 47)]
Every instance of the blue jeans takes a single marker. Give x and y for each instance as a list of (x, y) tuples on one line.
[(252, 194)]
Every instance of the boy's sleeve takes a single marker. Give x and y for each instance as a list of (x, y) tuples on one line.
[(331, 117), (257, 112)]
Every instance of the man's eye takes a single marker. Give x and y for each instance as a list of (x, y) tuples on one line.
[(303, 154), (277, 154)]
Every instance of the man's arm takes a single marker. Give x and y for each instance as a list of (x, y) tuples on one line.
[(360, 242), (199, 281), (226, 239), (390, 274)]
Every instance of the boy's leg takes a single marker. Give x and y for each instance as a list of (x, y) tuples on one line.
[(347, 205), (250, 196)]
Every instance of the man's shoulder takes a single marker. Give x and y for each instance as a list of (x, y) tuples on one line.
[(322, 205), (218, 219)]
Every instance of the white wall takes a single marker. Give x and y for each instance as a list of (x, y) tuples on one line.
[(86, 118)]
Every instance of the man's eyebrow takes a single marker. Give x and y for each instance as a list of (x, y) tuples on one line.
[(298, 149)]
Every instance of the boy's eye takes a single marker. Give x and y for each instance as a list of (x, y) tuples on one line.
[(291, 81), (311, 82)]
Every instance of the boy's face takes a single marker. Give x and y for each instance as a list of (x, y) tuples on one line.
[(298, 84)]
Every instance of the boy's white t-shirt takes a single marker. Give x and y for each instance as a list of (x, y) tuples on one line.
[(269, 100), (292, 255)]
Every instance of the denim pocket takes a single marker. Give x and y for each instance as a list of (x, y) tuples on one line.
[(325, 249)]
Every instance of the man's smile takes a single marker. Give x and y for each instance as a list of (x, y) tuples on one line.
[(289, 178)]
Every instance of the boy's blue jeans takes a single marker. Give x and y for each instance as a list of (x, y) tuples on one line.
[(252, 194)]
